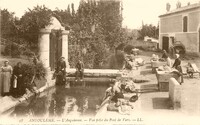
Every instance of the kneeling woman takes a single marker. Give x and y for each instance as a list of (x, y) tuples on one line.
[(117, 93)]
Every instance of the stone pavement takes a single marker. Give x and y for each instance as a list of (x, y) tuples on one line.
[(152, 104)]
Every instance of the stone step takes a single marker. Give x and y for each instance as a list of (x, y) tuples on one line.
[(148, 90), (92, 80), (148, 86), (96, 73)]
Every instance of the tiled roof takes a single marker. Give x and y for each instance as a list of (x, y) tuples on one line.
[(189, 7)]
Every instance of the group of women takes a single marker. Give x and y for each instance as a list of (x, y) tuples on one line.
[(11, 80)]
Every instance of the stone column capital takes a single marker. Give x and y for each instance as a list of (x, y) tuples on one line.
[(45, 31), (65, 32)]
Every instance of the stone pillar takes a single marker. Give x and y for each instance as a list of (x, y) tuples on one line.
[(65, 46), (44, 47)]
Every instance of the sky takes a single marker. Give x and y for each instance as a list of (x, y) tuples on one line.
[(134, 11)]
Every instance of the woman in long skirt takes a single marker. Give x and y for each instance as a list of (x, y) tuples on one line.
[(18, 89), (6, 73)]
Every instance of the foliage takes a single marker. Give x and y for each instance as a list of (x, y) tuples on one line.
[(95, 27), (64, 16), (23, 32), (117, 60), (111, 21), (7, 23), (33, 20), (16, 46), (120, 47), (13, 50), (120, 58), (149, 30), (31, 70), (128, 48)]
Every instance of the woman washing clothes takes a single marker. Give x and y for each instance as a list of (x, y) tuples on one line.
[(177, 61), (117, 102), (177, 66), (117, 92)]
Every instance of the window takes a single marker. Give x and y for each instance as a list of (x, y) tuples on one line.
[(185, 23)]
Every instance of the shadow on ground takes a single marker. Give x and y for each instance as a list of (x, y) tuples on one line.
[(161, 103), (148, 67), (146, 72)]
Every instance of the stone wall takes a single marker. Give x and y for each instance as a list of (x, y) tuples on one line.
[(174, 23), (171, 24), (194, 17), (175, 93), (190, 98), (186, 96), (189, 40)]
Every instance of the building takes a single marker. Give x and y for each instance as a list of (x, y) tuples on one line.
[(181, 25)]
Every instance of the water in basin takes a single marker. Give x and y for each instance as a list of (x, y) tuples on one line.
[(60, 101)]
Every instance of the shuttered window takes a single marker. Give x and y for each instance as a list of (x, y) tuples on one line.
[(185, 23)]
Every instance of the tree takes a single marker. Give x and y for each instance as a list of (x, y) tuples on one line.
[(111, 21), (7, 23), (73, 11), (149, 30), (98, 26), (95, 27), (34, 20)]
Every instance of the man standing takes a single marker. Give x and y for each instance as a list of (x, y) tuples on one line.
[(79, 70)]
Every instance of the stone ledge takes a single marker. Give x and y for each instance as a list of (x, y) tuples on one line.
[(96, 72), (45, 31), (93, 80), (11, 102), (175, 93)]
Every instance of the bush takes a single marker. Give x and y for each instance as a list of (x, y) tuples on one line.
[(128, 49), (12, 50), (117, 60), (31, 70)]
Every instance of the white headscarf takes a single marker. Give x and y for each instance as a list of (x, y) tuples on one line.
[(177, 55)]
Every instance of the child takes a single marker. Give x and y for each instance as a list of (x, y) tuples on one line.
[(190, 70)]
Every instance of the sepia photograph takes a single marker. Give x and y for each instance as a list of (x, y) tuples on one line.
[(99, 62)]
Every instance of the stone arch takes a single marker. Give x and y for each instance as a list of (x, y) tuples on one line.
[(55, 24), (44, 42)]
